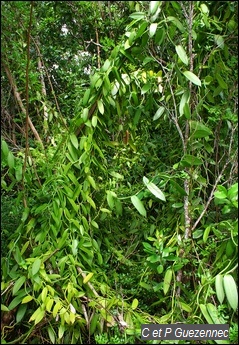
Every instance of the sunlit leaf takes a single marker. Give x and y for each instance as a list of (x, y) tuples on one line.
[(138, 205), (87, 278), (182, 54), (192, 77), (152, 29)]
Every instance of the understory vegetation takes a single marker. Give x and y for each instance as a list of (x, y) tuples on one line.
[(119, 167)]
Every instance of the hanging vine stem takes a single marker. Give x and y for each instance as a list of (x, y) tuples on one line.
[(27, 100)]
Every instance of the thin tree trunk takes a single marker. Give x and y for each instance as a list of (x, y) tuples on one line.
[(19, 101)]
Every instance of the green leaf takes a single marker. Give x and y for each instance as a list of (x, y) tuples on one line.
[(213, 312), (4, 148), (138, 205), (158, 113), (206, 233), (206, 314), (94, 121), (36, 266), (10, 160), (145, 88), (4, 308), (183, 101), (27, 299), (134, 304), (100, 106), (17, 300), (178, 187), (231, 291), (187, 111), (18, 173), (185, 307), (221, 82), (167, 280), (176, 22), (21, 312), (106, 65), (219, 288), (154, 189), (192, 77), (204, 8), (141, 30), (92, 181), (153, 6), (182, 54), (85, 113), (74, 140), (199, 130), (18, 284), (39, 316), (51, 334), (219, 40), (137, 15), (189, 160), (86, 97), (87, 278), (152, 29)]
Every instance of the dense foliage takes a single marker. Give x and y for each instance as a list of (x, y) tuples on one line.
[(119, 165)]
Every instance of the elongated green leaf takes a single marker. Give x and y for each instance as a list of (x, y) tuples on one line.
[(88, 277), (18, 284), (183, 101), (141, 30), (152, 29), (134, 304), (187, 111), (206, 314), (221, 82), (85, 113), (204, 8), (213, 312), (185, 307), (153, 6), (231, 291), (36, 266), (176, 22), (206, 233), (219, 287), (21, 312), (178, 187), (189, 160), (167, 281), (219, 40), (17, 300), (74, 140), (27, 299), (106, 65), (51, 334), (10, 160), (192, 77), (137, 15), (4, 308), (138, 205), (4, 148), (86, 97), (18, 172), (154, 189), (92, 181), (100, 106), (158, 113), (182, 54), (39, 316), (94, 121), (199, 130), (145, 88)]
